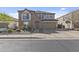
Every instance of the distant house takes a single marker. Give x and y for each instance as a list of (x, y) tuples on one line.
[(40, 21), (3, 26), (70, 20)]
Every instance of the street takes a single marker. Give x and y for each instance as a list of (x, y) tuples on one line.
[(62, 41), (39, 45)]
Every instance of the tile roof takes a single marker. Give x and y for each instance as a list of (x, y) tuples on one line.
[(35, 11)]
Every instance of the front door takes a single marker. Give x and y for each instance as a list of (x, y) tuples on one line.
[(37, 26)]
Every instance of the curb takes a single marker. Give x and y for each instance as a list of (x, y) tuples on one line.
[(36, 38)]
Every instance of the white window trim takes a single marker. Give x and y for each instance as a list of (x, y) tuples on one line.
[(23, 15)]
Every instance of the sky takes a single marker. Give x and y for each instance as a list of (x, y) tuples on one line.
[(12, 11)]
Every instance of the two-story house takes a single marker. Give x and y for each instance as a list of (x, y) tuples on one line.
[(40, 21)]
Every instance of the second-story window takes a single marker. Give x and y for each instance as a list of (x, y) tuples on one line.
[(25, 17)]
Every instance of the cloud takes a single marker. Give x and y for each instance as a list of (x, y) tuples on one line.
[(58, 15), (15, 15), (63, 8)]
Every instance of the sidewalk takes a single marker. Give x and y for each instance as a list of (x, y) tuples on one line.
[(61, 35)]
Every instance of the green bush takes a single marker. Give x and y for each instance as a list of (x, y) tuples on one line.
[(10, 30)]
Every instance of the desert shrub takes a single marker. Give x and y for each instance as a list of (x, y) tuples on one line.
[(18, 30), (10, 30)]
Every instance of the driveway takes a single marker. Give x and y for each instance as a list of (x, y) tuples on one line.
[(59, 35)]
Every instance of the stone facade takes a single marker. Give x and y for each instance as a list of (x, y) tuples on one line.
[(70, 20), (37, 20)]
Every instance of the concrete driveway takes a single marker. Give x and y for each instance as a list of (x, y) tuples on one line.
[(59, 35)]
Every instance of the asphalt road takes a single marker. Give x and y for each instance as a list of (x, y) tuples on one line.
[(39, 45)]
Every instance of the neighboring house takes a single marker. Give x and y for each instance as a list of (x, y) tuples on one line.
[(3, 26), (70, 20), (40, 21)]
